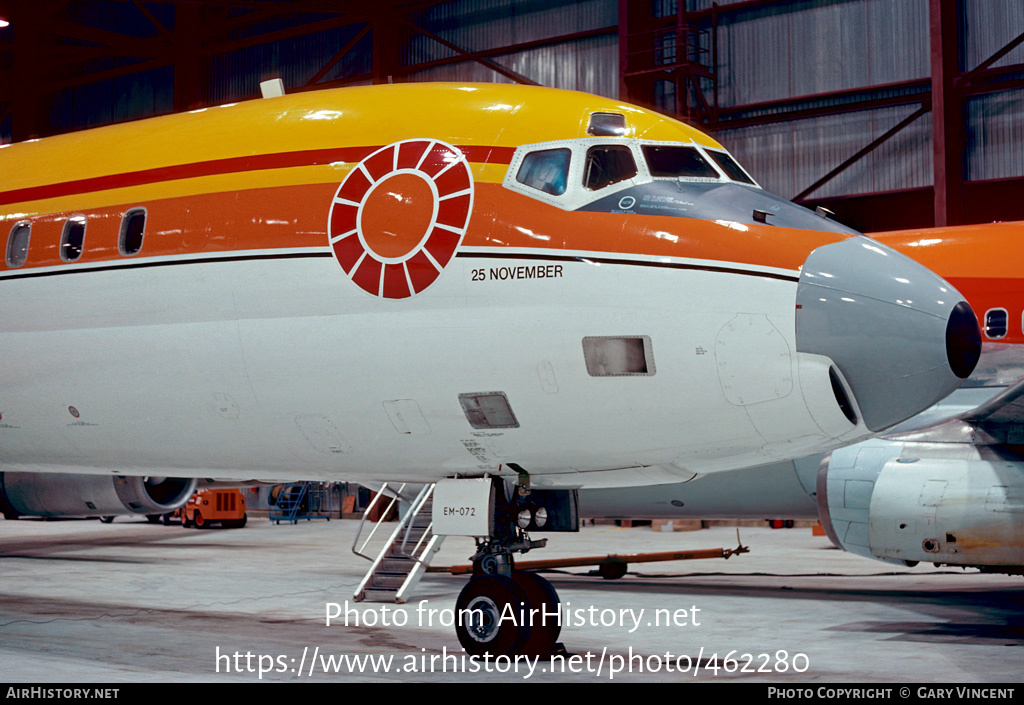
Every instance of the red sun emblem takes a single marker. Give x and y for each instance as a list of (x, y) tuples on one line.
[(399, 216)]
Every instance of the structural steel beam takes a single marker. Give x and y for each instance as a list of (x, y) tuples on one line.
[(875, 143), (947, 113), (494, 66)]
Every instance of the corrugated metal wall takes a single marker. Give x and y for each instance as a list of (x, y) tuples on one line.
[(588, 64), (791, 50), (995, 136), (818, 47), (990, 25), (777, 51), (237, 75), (115, 100), (787, 157)]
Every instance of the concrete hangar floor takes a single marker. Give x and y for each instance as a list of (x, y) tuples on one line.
[(82, 601)]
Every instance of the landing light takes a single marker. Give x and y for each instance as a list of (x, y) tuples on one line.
[(4, 23), (523, 519), (540, 517)]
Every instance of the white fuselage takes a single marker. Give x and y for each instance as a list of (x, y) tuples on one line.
[(268, 367)]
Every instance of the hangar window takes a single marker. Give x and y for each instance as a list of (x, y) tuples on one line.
[(133, 227), (608, 164), (733, 170), (546, 170), (488, 410), (17, 244), (619, 356), (677, 161), (996, 323), (72, 239)]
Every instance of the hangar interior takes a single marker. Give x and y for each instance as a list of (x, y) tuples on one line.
[(892, 114)]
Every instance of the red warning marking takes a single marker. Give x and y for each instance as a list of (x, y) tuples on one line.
[(400, 203)]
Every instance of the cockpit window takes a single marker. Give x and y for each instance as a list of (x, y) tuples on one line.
[(677, 161), (733, 170), (607, 125), (608, 164), (546, 170)]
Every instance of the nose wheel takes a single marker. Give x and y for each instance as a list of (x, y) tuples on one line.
[(501, 616)]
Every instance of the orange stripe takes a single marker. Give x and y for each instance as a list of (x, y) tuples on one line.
[(296, 216)]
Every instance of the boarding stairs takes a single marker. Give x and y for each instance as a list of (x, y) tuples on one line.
[(406, 552), (301, 500)]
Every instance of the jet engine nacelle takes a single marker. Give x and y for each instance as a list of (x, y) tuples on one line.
[(945, 503), (57, 495)]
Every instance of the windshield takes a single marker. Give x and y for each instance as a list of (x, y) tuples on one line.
[(664, 160)]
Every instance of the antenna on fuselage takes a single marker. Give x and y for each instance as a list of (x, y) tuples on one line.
[(273, 88)]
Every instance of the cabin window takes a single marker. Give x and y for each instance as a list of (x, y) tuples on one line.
[(608, 164), (73, 239), (733, 170), (546, 170), (488, 410), (678, 162), (619, 356), (996, 323), (133, 227), (17, 244), (607, 125)]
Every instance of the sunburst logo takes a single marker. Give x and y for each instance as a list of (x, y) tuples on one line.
[(400, 214)]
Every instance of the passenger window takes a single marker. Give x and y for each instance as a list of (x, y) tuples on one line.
[(996, 323), (17, 244), (608, 164), (677, 161), (733, 170), (133, 227), (73, 239), (546, 170)]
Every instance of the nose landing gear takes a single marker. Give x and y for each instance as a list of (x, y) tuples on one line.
[(503, 611)]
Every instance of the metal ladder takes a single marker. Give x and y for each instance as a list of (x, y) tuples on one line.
[(403, 560), (289, 503)]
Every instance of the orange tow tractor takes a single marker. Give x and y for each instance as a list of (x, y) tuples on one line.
[(208, 507)]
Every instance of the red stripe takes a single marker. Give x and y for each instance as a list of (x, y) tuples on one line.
[(232, 165)]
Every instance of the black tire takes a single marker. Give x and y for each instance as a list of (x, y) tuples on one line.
[(235, 523), (540, 596), (107, 520), (199, 521), (612, 570), (153, 518), (185, 521), (478, 614)]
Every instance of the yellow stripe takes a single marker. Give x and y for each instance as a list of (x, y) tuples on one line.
[(479, 114), (241, 181)]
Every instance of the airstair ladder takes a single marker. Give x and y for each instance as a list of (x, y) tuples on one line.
[(407, 553)]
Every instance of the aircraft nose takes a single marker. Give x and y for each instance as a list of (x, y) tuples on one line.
[(902, 337)]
